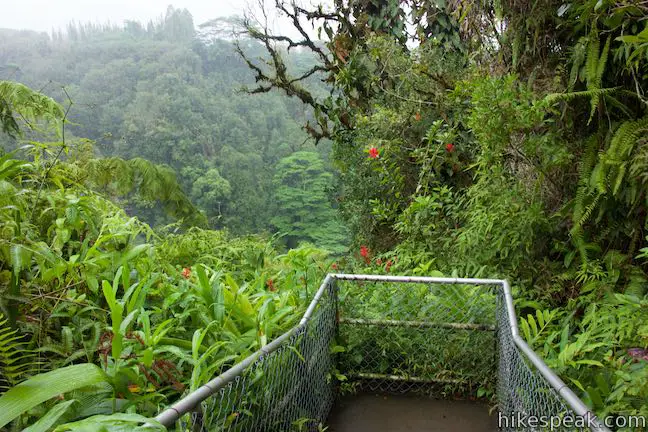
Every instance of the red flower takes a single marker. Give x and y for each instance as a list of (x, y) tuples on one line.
[(373, 152), (186, 273), (378, 261), (364, 253), (270, 285), (450, 147), (334, 266), (388, 265), (417, 116)]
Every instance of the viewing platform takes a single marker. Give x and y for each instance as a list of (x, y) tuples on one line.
[(390, 413), (388, 353)]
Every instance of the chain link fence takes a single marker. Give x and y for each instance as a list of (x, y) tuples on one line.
[(522, 391), (286, 386), (438, 337), (437, 340)]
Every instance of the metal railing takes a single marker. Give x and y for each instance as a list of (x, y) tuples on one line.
[(429, 335)]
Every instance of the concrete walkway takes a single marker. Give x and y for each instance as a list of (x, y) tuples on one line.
[(378, 413)]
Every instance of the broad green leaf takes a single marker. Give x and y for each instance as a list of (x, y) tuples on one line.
[(112, 423), (43, 387), (564, 338), (20, 258), (123, 327), (135, 252), (589, 362), (160, 330), (204, 282), (49, 420), (595, 396), (147, 357), (115, 284), (108, 292), (602, 384)]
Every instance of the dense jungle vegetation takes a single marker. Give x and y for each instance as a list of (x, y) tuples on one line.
[(170, 94), (465, 137)]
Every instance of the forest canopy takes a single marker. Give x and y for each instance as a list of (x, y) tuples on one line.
[(172, 94), (498, 139)]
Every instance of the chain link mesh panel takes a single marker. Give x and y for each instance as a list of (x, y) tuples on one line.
[(443, 340), (423, 338), (289, 389), (522, 391)]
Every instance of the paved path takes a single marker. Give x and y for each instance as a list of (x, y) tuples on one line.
[(386, 413)]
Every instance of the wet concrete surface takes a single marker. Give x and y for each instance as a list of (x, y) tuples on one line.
[(382, 413)]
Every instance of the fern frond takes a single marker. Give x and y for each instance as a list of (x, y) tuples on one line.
[(16, 362), (625, 138), (599, 177), (587, 196), (586, 215), (619, 154), (593, 93), (18, 100), (595, 80), (592, 60), (152, 182), (637, 284), (602, 62)]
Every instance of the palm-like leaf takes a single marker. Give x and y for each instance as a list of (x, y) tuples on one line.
[(43, 387)]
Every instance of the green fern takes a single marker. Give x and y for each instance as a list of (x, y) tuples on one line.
[(16, 362), (619, 155), (607, 177), (18, 100), (150, 181), (592, 93), (595, 63), (595, 68), (592, 57), (582, 203), (637, 284)]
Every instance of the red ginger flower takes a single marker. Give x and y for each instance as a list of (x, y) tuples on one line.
[(450, 147), (388, 265), (373, 153), (334, 266), (270, 285), (417, 116), (364, 253), (186, 273)]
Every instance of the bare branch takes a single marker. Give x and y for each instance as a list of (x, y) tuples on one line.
[(307, 41), (309, 73), (271, 72)]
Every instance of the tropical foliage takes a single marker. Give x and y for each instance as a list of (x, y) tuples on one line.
[(102, 314), (472, 139), (169, 93), (455, 137)]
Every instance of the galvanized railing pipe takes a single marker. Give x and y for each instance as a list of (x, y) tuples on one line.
[(169, 416), (187, 404), (554, 380)]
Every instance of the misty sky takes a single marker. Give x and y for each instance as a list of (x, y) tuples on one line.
[(44, 15)]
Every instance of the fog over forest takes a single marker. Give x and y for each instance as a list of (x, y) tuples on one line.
[(170, 92)]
